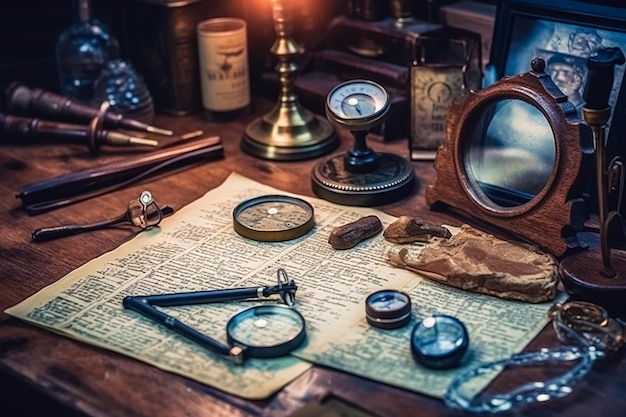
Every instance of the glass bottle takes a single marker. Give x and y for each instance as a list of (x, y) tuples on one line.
[(81, 52), (125, 90)]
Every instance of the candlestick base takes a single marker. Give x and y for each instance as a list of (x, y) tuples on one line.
[(581, 277), (289, 133)]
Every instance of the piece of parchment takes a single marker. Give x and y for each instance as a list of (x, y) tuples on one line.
[(477, 261)]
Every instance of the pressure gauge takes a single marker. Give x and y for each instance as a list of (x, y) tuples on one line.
[(439, 341), (273, 218), (357, 105), (361, 176), (388, 309)]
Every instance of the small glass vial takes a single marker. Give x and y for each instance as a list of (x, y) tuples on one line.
[(81, 52)]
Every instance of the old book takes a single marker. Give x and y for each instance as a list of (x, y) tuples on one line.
[(346, 65)]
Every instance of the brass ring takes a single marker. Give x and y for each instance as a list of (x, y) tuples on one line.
[(590, 321), (140, 209)]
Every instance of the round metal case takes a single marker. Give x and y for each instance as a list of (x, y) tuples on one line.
[(388, 309)]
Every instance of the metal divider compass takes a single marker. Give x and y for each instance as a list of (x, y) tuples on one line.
[(361, 177), (262, 331)]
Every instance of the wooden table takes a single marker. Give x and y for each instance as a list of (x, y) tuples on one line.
[(43, 373)]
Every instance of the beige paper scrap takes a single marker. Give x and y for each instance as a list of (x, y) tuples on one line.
[(197, 249)]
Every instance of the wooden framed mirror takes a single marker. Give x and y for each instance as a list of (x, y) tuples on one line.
[(517, 156)]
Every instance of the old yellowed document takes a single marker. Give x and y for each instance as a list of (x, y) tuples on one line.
[(197, 249)]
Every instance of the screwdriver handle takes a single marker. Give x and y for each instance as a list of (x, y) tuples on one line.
[(23, 100), (26, 126)]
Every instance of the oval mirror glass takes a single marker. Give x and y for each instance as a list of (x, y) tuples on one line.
[(509, 152)]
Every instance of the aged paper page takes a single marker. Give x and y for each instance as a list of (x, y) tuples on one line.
[(497, 329), (197, 249)]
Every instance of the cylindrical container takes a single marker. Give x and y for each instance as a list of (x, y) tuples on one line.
[(223, 58)]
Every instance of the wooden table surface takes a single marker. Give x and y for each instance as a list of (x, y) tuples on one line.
[(42, 373)]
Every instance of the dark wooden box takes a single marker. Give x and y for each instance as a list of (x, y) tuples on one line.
[(159, 37)]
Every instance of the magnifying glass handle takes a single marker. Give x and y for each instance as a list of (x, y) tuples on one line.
[(203, 297), (49, 233), (142, 306)]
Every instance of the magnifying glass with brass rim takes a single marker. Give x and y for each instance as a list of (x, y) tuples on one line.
[(273, 218), (262, 331)]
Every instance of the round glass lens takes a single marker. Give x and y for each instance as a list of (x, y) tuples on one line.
[(265, 326), (388, 300), (439, 336)]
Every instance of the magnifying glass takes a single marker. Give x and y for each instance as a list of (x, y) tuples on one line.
[(439, 341), (263, 331)]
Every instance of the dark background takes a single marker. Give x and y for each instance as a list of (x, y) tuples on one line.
[(29, 30)]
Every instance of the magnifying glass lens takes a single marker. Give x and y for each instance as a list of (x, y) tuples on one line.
[(439, 341), (267, 331)]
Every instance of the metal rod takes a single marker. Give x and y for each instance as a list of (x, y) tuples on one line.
[(50, 233), (601, 181), (66, 189)]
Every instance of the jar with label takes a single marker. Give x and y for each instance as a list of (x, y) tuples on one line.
[(445, 65), (223, 59)]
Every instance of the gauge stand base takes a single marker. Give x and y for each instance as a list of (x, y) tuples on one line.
[(580, 275), (393, 178)]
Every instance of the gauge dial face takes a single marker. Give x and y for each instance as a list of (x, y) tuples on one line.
[(273, 218), (357, 102)]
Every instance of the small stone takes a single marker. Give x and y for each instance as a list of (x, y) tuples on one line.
[(349, 235)]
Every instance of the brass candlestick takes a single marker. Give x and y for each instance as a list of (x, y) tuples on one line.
[(289, 132), (595, 276)]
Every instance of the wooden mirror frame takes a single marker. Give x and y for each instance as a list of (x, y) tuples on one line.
[(553, 217)]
